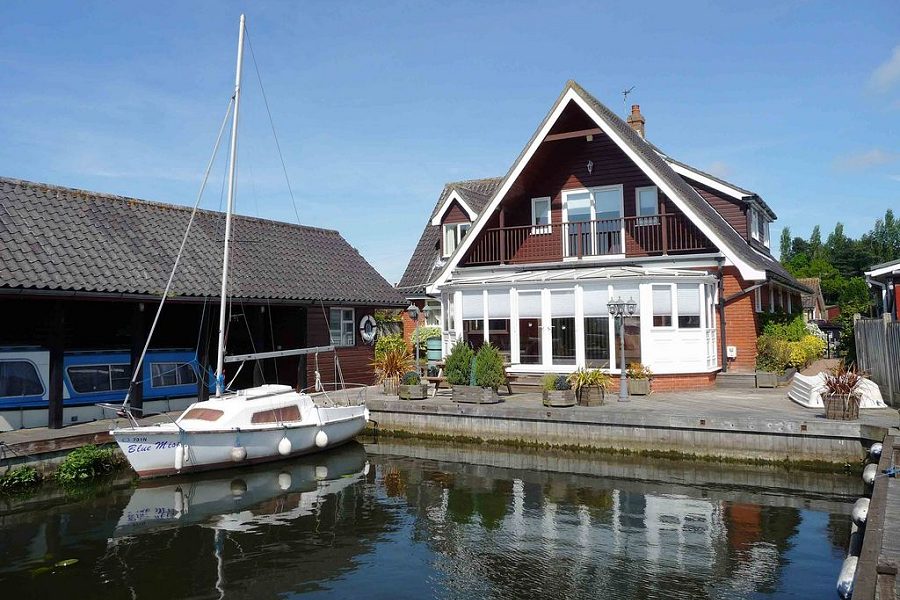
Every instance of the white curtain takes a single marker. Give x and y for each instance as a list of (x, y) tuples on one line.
[(473, 305)]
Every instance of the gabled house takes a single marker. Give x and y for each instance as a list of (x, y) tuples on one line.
[(884, 279), (814, 302), (588, 212)]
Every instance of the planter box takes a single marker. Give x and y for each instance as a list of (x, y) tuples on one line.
[(559, 398), (390, 386), (842, 407), (413, 392), (639, 387), (473, 394), (591, 396), (766, 379)]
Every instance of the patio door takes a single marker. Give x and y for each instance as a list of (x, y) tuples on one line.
[(530, 328)]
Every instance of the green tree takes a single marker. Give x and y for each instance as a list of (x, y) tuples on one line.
[(785, 244), (815, 242)]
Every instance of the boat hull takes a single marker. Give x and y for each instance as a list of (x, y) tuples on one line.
[(153, 451)]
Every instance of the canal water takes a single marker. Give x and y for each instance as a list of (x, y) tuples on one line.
[(412, 520)]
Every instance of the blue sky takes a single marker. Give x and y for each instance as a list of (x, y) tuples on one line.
[(377, 105)]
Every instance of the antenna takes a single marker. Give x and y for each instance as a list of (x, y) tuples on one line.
[(625, 97)]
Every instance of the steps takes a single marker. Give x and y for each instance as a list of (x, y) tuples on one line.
[(736, 380)]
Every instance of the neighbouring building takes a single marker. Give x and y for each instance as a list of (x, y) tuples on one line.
[(814, 302), (884, 279), (81, 273), (588, 212)]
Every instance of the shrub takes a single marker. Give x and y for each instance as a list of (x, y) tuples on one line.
[(389, 342), (87, 463), (772, 353), (489, 371), (19, 479), (583, 378), (411, 378), (548, 382), (392, 363), (783, 326), (458, 366), (425, 333), (638, 371)]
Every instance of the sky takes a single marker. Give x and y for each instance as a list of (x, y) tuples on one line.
[(377, 105)]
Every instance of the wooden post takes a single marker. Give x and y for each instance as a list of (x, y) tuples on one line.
[(57, 356), (137, 346), (203, 357), (665, 227), (502, 236)]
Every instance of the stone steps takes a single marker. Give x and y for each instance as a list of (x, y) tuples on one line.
[(736, 380)]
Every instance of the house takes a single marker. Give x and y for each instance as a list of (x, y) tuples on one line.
[(813, 303), (591, 211), (884, 279), (85, 271)]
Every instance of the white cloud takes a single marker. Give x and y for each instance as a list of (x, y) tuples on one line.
[(865, 160), (719, 169), (887, 73)]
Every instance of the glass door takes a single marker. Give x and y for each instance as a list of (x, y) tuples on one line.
[(530, 352), (608, 206), (578, 216)]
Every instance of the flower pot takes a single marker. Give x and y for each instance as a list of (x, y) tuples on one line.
[(418, 391), (766, 379), (473, 394), (639, 387), (559, 398), (390, 386), (842, 407), (591, 395)]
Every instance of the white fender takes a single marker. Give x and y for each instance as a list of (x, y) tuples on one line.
[(321, 438), (321, 472), (179, 457), (875, 451), (187, 453), (284, 481), (238, 453), (238, 487), (284, 446), (860, 511), (869, 473), (845, 578), (366, 469), (179, 502)]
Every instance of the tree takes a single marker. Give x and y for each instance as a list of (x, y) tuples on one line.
[(815, 242), (785, 244)]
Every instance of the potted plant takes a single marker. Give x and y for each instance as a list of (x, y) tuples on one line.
[(412, 388), (458, 368), (489, 373), (558, 391), (589, 386), (772, 355), (841, 399), (639, 378), (389, 365)]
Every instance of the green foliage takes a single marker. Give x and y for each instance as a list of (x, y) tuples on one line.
[(638, 371), (583, 378), (803, 352), (87, 462), (411, 378), (458, 366), (772, 353), (790, 328), (392, 363), (388, 315), (787, 341), (425, 333), (489, 371), (389, 342), (19, 479), (552, 382)]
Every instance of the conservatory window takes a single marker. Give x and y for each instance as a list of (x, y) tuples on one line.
[(688, 305), (530, 352), (662, 305)]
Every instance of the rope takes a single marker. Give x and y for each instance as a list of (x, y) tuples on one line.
[(184, 239)]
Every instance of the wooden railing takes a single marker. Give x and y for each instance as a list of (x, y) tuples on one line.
[(630, 236)]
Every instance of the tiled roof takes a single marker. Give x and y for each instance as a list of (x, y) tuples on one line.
[(63, 239), (814, 284), (426, 261)]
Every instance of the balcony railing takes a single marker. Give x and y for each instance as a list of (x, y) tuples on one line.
[(629, 236)]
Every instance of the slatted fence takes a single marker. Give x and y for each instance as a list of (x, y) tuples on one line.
[(878, 353)]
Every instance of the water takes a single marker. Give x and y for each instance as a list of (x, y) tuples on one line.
[(430, 521)]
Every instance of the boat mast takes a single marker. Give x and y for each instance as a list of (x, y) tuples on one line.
[(220, 357)]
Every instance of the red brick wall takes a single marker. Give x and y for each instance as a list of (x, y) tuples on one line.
[(683, 382), (409, 326), (740, 322)]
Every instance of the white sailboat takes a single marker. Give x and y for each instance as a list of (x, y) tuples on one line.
[(254, 425)]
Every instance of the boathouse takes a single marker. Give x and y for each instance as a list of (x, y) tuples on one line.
[(592, 211), (81, 275)]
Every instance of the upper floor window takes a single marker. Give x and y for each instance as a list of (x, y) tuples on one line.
[(540, 215), (646, 204), (342, 325), (453, 235), (759, 226)]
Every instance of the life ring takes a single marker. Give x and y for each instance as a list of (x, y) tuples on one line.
[(367, 329)]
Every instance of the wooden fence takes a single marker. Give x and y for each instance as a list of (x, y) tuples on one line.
[(878, 353)]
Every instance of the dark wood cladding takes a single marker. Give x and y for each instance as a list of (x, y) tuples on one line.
[(732, 210), (455, 214), (355, 361)]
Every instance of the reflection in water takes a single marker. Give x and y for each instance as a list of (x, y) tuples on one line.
[(332, 526)]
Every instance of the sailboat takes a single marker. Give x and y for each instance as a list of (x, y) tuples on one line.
[(259, 424)]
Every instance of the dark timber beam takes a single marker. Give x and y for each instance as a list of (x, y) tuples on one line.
[(554, 137), (203, 355), (136, 400), (258, 327), (57, 355)]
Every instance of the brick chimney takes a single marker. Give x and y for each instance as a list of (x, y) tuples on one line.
[(636, 119)]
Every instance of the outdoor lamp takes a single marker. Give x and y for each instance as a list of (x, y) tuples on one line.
[(413, 311), (620, 308)]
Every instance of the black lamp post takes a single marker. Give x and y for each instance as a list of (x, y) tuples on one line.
[(413, 311), (620, 309)]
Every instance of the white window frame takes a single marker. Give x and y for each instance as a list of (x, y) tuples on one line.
[(541, 229), (637, 206), (673, 308), (340, 343), (757, 299), (592, 191), (457, 232), (760, 234)]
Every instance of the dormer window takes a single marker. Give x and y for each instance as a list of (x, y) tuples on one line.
[(759, 226), (453, 235)]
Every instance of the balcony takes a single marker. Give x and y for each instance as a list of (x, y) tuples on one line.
[(629, 236)]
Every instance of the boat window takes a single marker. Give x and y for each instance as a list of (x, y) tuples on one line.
[(119, 376), (277, 415), (203, 414), (19, 378), (86, 379), (165, 374)]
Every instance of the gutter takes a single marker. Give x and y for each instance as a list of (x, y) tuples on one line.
[(884, 294)]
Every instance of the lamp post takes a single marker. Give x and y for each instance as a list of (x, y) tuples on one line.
[(620, 309), (413, 311)]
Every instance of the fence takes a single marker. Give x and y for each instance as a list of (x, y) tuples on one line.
[(878, 353)]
